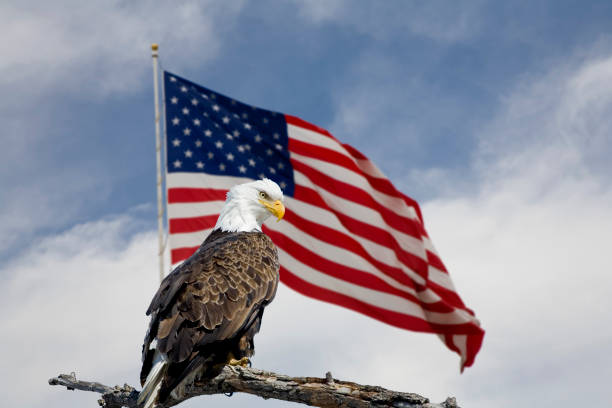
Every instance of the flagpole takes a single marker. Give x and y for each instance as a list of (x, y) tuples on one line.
[(160, 208)]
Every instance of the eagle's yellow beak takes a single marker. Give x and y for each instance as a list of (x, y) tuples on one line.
[(277, 208)]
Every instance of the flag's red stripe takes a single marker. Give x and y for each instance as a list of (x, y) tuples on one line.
[(412, 203), (346, 273), (293, 120), (339, 239), (350, 192), (396, 319), (449, 296), (331, 268), (180, 254), (342, 240), (194, 195), (364, 230), (435, 261), (192, 224), (473, 346), (332, 156), (327, 295)]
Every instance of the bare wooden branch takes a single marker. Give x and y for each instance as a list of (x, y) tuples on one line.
[(320, 392)]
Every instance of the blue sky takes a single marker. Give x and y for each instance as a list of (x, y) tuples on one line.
[(496, 116)]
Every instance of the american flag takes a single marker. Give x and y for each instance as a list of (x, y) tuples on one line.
[(349, 237)]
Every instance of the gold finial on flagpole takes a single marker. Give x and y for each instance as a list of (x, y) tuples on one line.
[(154, 47)]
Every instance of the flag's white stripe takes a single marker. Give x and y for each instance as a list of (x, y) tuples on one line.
[(188, 239), (315, 138), (394, 204), (369, 296), (203, 180), (322, 216), (429, 245), (369, 168), (336, 254), (360, 212), (199, 209), (460, 340), (440, 278)]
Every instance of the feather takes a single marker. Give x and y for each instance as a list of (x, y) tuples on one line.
[(210, 305), (165, 326), (152, 385)]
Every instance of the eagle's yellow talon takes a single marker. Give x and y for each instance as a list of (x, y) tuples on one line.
[(244, 362)]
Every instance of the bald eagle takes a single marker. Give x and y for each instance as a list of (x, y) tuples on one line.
[(207, 311)]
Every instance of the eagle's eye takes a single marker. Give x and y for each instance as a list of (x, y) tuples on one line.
[(263, 195)]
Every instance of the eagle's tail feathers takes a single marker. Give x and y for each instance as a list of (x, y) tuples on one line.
[(152, 385)]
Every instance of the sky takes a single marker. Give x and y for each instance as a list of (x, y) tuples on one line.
[(495, 116)]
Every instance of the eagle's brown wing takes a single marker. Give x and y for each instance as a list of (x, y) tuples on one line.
[(212, 295)]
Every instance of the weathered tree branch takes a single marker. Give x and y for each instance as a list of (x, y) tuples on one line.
[(319, 392)]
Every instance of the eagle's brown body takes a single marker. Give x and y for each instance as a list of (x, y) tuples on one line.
[(209, 308)]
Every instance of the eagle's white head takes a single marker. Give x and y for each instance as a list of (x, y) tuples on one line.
[(248, 205)]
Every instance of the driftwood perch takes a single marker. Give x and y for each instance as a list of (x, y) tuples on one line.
[(319, 392)]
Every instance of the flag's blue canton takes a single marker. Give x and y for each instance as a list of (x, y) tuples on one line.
[(211, 133)]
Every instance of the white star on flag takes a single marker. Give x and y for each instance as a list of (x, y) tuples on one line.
[(174, 100), (175, 121)]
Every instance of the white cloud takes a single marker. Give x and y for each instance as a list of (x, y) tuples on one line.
[(554, 126), (437, 20), (99, 48)]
